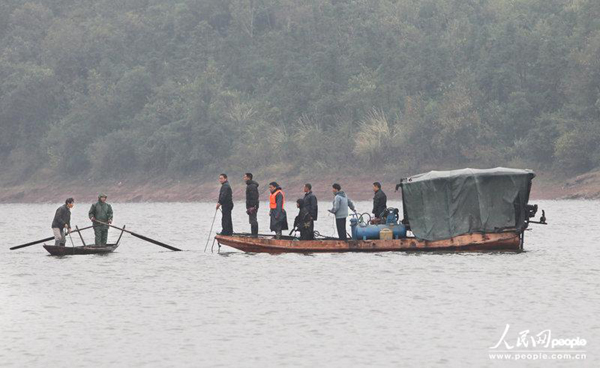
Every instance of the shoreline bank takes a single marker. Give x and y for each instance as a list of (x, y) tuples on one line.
[(545, 186)]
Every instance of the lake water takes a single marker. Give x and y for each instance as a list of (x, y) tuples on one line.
[(146, 306)]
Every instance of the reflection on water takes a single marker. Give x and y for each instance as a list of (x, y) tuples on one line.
[(145, 305)]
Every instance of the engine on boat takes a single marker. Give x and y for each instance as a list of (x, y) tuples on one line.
[(367, 230)]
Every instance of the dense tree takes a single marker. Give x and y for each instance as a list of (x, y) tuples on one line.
[(190, 86)]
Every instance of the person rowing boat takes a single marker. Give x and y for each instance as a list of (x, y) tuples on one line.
[(62, 221), (101, 211)]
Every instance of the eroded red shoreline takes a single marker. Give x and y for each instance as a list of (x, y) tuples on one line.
[(545, 186)]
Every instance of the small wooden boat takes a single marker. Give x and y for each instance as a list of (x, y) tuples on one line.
[(505, 241), (57, 250), (86, 249)]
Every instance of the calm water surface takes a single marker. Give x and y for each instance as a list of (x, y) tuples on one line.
[(146, 306)]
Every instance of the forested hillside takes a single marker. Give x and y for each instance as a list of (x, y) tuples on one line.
[(175, 87)]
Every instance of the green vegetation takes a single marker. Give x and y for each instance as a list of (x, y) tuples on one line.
[(177, 87)]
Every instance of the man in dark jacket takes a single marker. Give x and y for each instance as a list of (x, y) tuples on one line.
[(276, 209), (311, 204), (62, 220), (252, 202), (101, 211), (304, 222), (226, 204), (310, 201), (379, 200)]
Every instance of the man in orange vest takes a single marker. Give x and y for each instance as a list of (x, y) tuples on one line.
[(277, 211)]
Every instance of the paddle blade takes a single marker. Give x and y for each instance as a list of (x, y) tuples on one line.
[(32, 243), (155, 242)]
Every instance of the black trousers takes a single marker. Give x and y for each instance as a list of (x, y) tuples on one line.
[(253, 222), (311, 231), (341, 228), (307, 233), (226, 222)]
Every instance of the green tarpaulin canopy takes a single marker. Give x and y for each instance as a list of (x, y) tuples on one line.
[(442, 204)]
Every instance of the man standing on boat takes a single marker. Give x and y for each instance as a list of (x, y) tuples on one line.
[(277, 211), (226, 204), (379, 201), (341, 203), (101, 211), (62, 220), (312, 206), (252, 197), (310, 201)]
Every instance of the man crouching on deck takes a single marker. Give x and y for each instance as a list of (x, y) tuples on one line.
[(304, 221), (62, 220), (101, 211)]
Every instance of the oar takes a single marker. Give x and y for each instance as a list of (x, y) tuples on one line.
[(44, 240), (141, 237)]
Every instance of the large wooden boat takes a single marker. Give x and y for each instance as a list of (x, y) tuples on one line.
[(458, 210), (505, 241), (56, 250)]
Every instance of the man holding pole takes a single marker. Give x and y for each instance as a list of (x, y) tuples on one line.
[(225, 202), (101, 211), (62, 220)]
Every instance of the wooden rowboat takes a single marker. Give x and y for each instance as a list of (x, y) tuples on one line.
[(505, 241), (55, 250)]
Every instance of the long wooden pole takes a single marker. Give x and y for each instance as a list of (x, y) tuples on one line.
[(43, 240), (141, 237), (210, 231)]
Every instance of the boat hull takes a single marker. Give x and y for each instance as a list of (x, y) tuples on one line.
[(65, 251), (506, 241)]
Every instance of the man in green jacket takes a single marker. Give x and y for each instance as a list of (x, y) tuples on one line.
[(101, 211)]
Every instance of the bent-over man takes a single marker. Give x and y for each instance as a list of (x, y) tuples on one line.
[(304, 221), (62, 220)]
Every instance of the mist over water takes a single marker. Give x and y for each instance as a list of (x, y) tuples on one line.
[(146, 306)]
